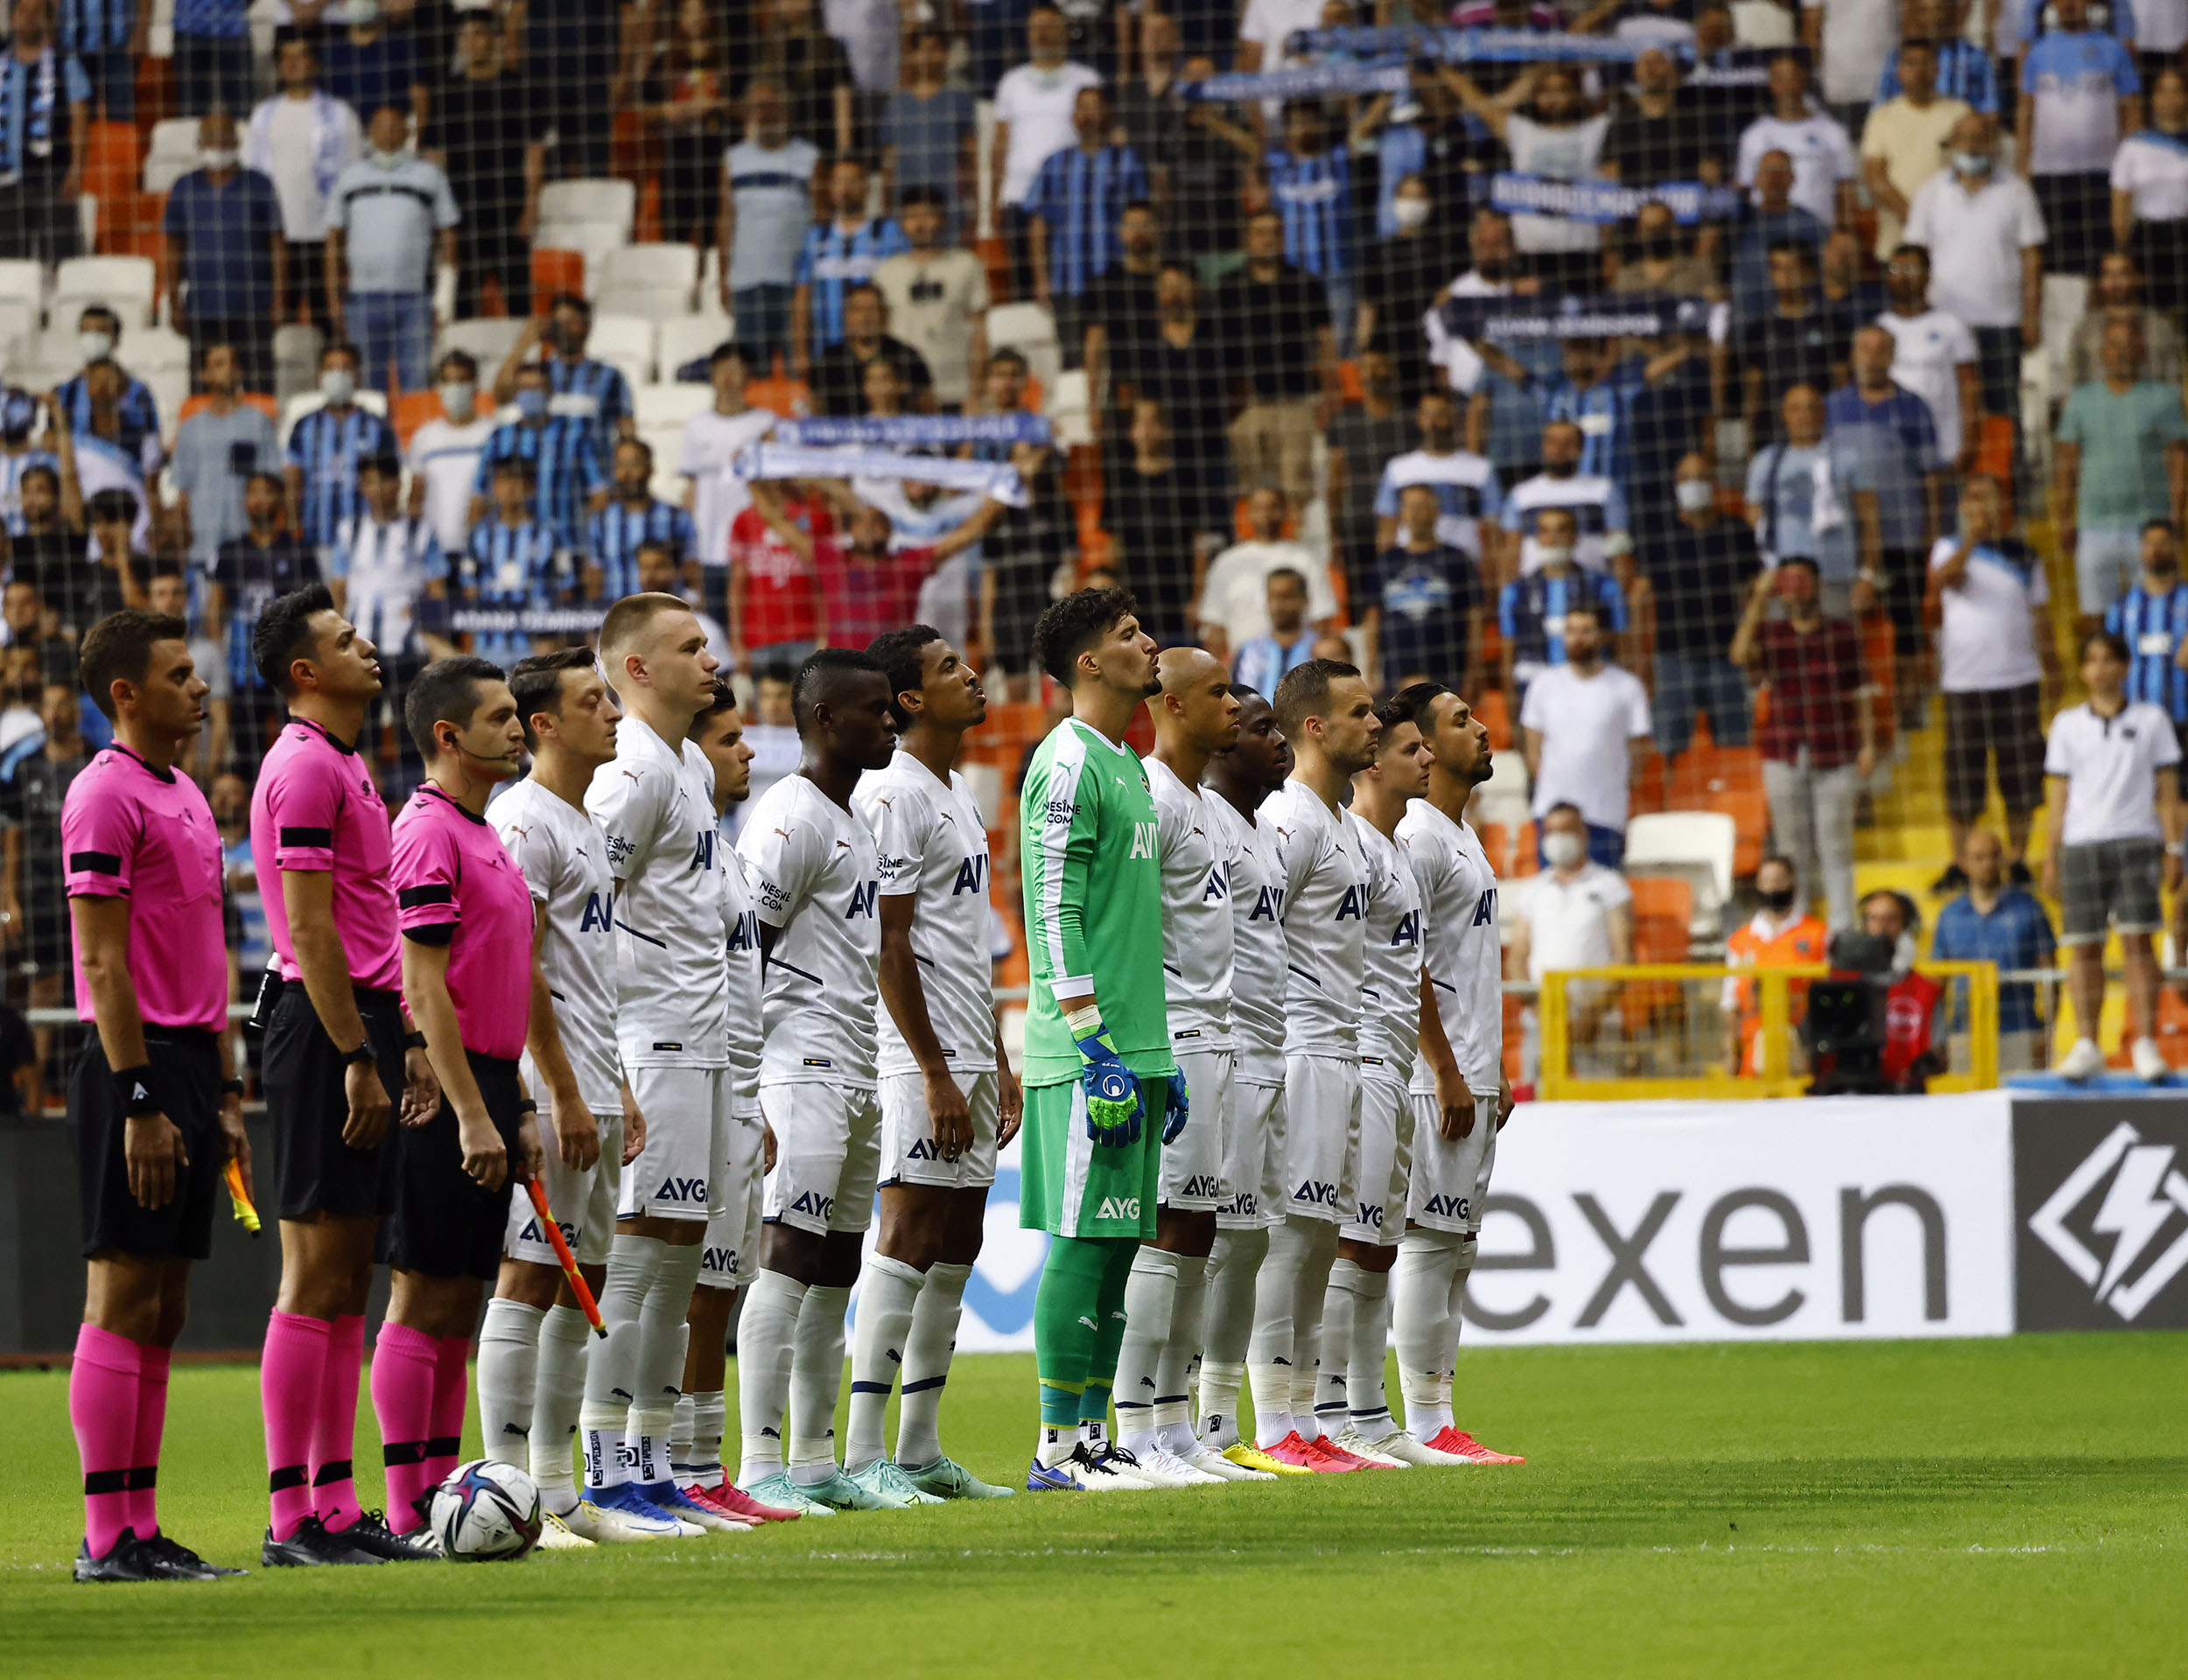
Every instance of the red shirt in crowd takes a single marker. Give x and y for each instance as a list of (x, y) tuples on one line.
[(865, 598), (1814, 681), (779, 586)]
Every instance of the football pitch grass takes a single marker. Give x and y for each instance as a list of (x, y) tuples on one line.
[(1910, 1508)]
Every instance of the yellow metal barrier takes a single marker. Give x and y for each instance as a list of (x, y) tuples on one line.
[(1668, 1041)]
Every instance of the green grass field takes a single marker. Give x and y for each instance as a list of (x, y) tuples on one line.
[(1896, 1507)]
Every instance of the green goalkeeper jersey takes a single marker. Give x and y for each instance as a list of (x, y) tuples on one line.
[(1093, 891)]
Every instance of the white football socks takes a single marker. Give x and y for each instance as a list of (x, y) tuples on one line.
[(612, 1386), (1150, 1295), (764, 1334), (889, 1293), (682, 1422), (1421, 1288), (927, 1345), (1227, 1322), (709, 1416), (1180, 1358), (1369, 1407), (817, 1376), (1332, 1370), (663, 1339), (1287, 1318), (565, 1343), (509, 1377)]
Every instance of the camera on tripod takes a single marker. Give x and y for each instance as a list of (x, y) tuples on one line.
[(1846, 1028)]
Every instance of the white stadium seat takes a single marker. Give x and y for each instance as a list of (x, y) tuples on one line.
[(487, 341), (669, 405), (173, 153), (23, 280), (1692, 846), (688, 337), (1030, 330), (626, 340), (610, 201), (651, 268), (113, 280), (155, 349)]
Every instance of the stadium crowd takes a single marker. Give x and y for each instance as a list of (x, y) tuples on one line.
[(1680, 378)]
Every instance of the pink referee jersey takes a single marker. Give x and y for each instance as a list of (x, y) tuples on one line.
[(127, 831), (451, 869), (316, 809)]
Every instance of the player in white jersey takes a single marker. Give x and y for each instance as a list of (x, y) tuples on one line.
[(532, 1344), (1239, 782), (653, 801), (1461, 1096), (815, 874), (730, 1253), (1196, 717), (1349, 1399), (948, 1098), (1328, 715)]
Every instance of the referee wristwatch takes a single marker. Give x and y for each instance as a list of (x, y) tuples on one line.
[(362, 1052)]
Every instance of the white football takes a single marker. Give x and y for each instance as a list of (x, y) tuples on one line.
[(486, 1512)]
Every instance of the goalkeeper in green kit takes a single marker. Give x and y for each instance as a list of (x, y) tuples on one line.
[(1102, 1092)]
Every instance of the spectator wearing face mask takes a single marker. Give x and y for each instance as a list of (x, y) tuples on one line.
[(1781, 935), (444, 450), (223, 227), (565, 453), (1572, 913), (381, 222), (1902, 142), (302, 139), (1663, 264), (1820, 740), (134, 413), (260, 562), (1707, 567), (325, 449), (1400, 275)]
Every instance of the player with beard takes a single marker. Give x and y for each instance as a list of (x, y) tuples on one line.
[(1461, 1096), (1102, 1089), (1328, 714), (1254, 1154), (1196, 717), (1349, 1398), (949, 1101)]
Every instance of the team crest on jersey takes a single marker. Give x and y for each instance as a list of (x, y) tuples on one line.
[(1143, 839), (972, 875), (863, 896), (1485, 909), (595, 919)]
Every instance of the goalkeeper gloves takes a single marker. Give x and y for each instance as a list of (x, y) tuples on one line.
[(1175, 1109), (1114, 1110)]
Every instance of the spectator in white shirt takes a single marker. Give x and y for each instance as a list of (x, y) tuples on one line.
[(2080, 94), (712, 441), (1574, 913), (444, 453), (2149, 191), (1234, 595), (1822, 155), (1852, 41), (2112, 836), (1033, 117), (1933, 355), (1983, 225), (1578, 725), (302, 138)]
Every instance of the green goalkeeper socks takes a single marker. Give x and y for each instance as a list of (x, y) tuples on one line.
[(1067, 1318)]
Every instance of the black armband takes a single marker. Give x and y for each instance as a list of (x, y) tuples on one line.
[(140, 1091), (527, 1107), (414, 1040), (362, 1052), (231, 1088)]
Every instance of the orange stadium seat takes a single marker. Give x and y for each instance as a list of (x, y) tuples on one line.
[(1496, 715), (258, 399), (111, 160), (555, 271)]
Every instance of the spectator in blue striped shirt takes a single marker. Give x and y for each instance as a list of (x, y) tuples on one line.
[(2152, 619), (1311, 184), (213, 56), (326, 448), (570, 372), (98, 333), (634, 516), (565, 453), (45, 132), (1074, 211), (108, 38), (1964, 70), (839, 253), (512, 560)]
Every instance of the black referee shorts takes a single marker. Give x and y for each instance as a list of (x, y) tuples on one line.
[(446, 1224), (189, 1061), (2007, 722), (307, 1106)]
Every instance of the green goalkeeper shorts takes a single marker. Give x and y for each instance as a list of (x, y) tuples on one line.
[(1073, 1187)]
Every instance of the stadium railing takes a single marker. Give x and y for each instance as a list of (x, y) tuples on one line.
[(1659, 1031)]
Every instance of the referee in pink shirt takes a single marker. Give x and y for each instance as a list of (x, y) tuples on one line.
[(467, 920), (153, 1105)]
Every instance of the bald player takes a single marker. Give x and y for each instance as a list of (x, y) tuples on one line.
[(654, 801), (1196, 717)]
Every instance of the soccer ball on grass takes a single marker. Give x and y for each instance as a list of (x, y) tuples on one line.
[(486, 1512)]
